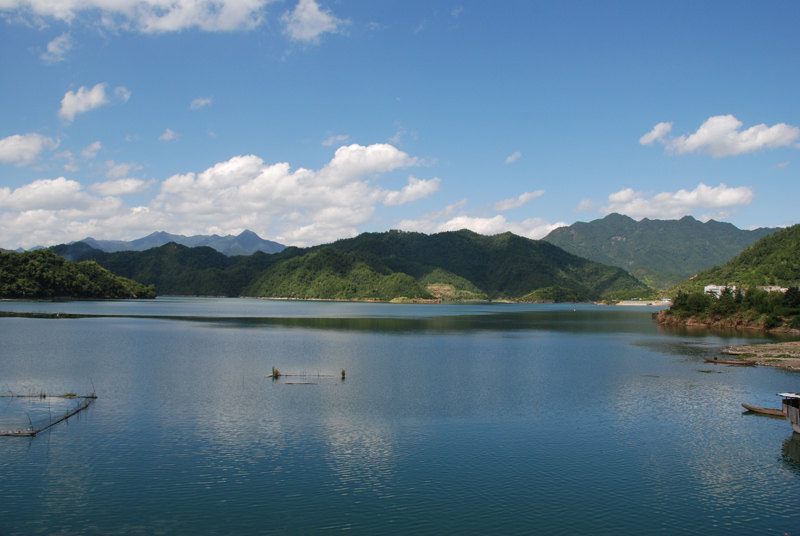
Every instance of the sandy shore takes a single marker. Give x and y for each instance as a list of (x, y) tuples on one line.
[(784, 355)]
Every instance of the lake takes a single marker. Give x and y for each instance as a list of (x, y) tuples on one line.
[(452, 419)]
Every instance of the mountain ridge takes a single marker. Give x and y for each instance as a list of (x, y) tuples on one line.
[(245, 243), (658, 252)]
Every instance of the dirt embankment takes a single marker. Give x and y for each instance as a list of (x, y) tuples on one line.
[(784, 355)]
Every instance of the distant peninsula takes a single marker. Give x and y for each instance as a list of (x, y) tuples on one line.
[(757, 289)]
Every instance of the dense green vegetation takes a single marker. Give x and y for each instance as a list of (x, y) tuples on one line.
[(379, 266), (473, 266), (331, 274), (772, 261), (752, 306), (43, 274), (179, 270), (658, 252)]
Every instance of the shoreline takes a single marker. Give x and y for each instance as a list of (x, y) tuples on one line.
[(784, 355)]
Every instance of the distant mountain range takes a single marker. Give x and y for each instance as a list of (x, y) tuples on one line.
[(658, 252), (459, 265), (245, 243)]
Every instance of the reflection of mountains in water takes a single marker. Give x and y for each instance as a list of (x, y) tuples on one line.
[(791, 451)]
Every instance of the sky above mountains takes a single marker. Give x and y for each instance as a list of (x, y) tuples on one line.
[(312, 120)]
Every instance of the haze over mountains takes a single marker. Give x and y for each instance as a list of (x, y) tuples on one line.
[(245, 243)]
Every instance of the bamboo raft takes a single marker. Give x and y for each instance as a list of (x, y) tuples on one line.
[(33, 431)]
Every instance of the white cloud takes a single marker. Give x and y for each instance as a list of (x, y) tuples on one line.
[(352, 161), (200, 102), (24, 149), (308, 22), (293, 206), (416, 189), (585, 204), (122, 93), (299, 207), (513, 157), (516, 202), (335, 139), (149, 16), (704, 201), (119, 170), (82, 101), (57, 193), (453, 218), (168, 135), (57, 49), (121, 187), (658, 133), (90, 151), (722, 136), (535, 228)]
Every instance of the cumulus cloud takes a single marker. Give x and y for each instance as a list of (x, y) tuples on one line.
[(513, 157), (149, 16), (658, 133), (90, 151), (82, 101), (704, 201), (416, 189), (293, 206), (455, 218), (308, 22), (57, 49), (722, 135), (119, 170), (516, 202), (52, 194), (121, 187), (307, 206), (24, 149), (200, 102)]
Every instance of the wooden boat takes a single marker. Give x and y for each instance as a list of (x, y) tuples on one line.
[(764, 411), (740, 362), (791, 409)]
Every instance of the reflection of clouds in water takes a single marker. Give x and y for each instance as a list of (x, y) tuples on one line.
[(361, 457)]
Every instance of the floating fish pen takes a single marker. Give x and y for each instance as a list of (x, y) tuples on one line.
[(42, 422)]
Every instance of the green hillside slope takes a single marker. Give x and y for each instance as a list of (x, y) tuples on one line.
[(658, 252), (504, 266), (773, 261), (43, 274)]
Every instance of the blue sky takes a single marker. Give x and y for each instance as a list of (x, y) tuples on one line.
[(312, 120)]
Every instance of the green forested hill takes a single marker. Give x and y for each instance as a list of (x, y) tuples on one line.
[(43, 274), (383, 266), (773, 260), (504, 266), (659, 252), (331, 274), (179, 270)]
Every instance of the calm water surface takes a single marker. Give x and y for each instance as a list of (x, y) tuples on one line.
[(485, 419)]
